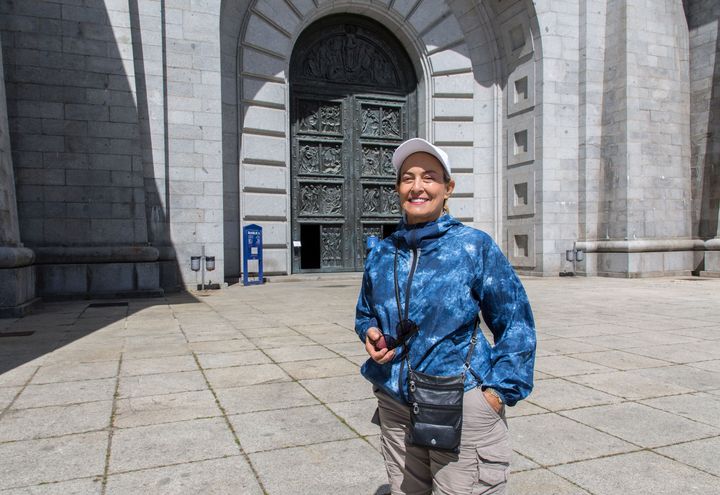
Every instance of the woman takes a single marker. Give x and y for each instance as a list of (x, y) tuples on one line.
[(439, 274)]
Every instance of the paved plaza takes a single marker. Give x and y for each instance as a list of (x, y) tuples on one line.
[(254, 390)]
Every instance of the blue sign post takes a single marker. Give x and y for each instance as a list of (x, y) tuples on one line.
[(252, 255)]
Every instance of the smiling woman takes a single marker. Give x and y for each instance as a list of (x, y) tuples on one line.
[(441, 388)]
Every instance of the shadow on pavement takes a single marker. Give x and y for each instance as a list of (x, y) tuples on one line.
[(55, 325)]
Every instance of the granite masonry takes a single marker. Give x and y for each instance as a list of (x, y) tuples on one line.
[(142, 130)]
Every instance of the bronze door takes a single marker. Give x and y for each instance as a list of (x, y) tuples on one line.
[(343, 181), (352, 103)]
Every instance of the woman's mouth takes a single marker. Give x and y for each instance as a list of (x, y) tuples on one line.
[(418, 201)]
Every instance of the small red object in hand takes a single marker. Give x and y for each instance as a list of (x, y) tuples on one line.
[(380, 343)]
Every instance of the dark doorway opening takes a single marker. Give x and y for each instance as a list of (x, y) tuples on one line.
[(310, 253)]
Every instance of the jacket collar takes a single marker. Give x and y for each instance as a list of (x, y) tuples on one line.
[(423, 235)]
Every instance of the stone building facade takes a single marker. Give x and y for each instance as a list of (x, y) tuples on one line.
[(133, 132)]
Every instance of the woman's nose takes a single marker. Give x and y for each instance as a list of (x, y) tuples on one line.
[(417, 185)]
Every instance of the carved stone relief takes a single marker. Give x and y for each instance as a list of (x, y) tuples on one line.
[(321, 117), (380, 200), (331, 246), (377, 161), (382, 122), (349, 58), (320, 158), (321, 199)]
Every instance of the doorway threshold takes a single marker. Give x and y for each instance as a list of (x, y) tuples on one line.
[(308, 277)]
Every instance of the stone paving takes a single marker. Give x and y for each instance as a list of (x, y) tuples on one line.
[(255, 390)]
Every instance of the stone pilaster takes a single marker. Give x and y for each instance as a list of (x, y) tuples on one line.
[(17, 273), (645, 197), (703, 17)]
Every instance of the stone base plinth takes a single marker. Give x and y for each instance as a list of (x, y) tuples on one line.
[(639, 265), (712, 264), (17, 291), (89, 280)]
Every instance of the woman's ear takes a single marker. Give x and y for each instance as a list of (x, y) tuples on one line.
[(449, 188)]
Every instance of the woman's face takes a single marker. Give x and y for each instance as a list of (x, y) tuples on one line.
[(422, 188)]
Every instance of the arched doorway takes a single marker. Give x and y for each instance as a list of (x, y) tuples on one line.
[(353, 100)]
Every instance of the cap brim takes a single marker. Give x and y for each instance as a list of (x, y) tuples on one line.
[(419, 145)]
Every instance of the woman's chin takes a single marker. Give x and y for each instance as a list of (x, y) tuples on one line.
[(413, 216)]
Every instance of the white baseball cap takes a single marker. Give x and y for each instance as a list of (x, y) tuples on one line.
[(417, 145)]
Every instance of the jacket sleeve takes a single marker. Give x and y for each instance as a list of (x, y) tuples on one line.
[(506, 311), (364, 317)]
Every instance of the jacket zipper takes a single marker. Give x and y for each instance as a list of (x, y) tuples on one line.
[(413, 266)]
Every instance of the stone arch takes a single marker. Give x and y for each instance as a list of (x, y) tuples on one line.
[(459, 65)]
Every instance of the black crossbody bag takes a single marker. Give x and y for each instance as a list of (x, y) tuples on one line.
[(436, 402)]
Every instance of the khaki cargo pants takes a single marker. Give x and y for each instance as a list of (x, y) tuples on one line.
[(481, 467)]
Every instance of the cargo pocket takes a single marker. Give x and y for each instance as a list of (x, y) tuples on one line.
[(493, 468)]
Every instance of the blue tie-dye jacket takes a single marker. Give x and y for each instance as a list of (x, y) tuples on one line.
[(460, 270)]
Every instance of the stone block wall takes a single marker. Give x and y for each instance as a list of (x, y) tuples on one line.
[(73, 121), (114, 110)]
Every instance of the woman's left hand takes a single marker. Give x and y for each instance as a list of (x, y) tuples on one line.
[(381, 356)]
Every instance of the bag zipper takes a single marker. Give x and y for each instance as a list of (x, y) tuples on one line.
[(457, 386), (436, 406)]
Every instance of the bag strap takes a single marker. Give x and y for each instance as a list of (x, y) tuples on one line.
[(408, 287)]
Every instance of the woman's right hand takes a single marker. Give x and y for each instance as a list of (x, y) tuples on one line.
[(383, 355)]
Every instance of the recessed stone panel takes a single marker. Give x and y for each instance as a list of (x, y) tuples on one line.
[(520, 192), (520, 91), (445, 33), (426, 14), (453, 132), (464, 184), (517, 38), (255, 62), (265, 205), (521, 245), (454, 84), (520, 144), (265, 91), (275, 261), (263, 148), (461, 157), (403, 7), (452, 59), (266, 119), (264, 177), (262, 34), (461, 207), (278, 13), (453, 108)]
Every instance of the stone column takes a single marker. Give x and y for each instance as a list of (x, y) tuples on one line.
[(644, 218), (703, 17), (17, 273)]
